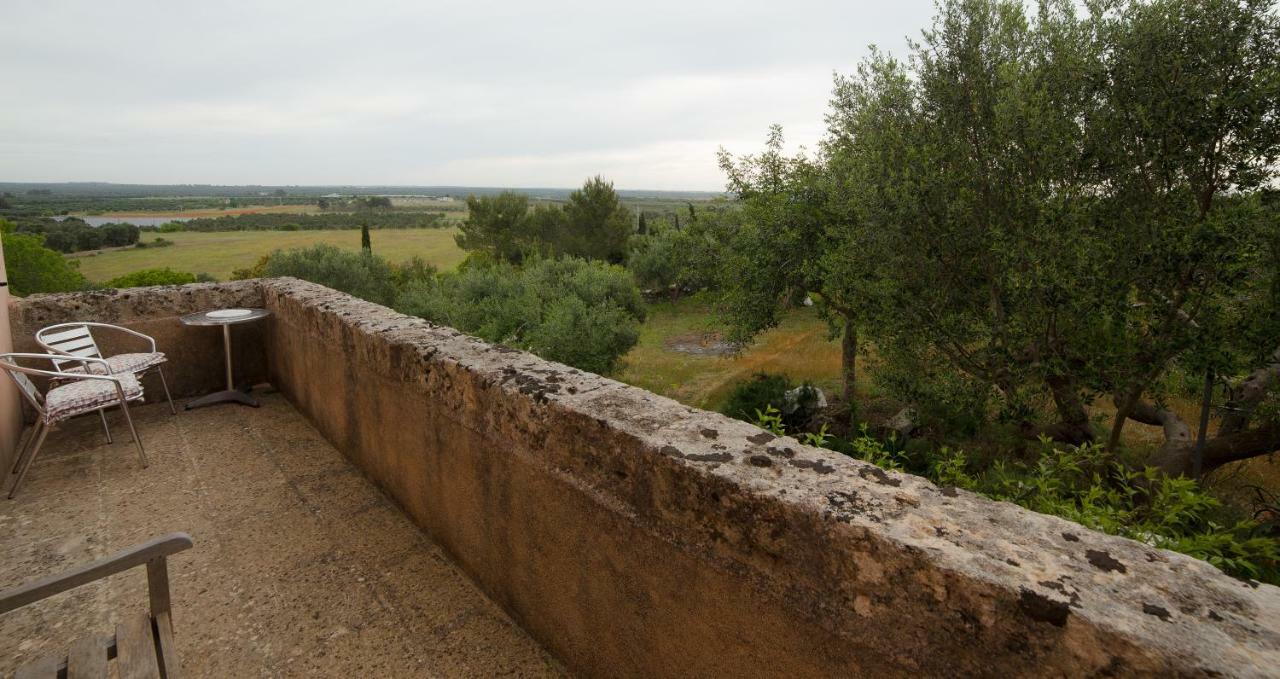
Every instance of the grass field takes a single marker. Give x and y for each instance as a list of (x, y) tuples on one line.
[(799, 348), (218, 253)]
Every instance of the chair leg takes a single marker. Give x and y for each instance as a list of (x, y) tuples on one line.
[(102, 412), (35, 431), (164, 383), (22, 473), (142, 454)]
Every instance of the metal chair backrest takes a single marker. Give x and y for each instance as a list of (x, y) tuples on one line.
[(73, 339), (19, 373)]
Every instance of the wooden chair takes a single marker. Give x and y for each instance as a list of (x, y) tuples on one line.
[(142, 645), (70, 394)]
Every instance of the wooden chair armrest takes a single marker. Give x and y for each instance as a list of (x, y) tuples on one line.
[(155, 550)]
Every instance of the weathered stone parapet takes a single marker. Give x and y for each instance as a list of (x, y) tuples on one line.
[(635, 536)]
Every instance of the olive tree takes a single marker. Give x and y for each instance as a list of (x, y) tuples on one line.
[(792, 237), (1065, 206)]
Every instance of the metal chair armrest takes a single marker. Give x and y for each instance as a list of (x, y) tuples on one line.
[(106, 367), (148, 552)]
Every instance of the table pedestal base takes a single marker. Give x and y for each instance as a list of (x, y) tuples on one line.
[(224, 396)]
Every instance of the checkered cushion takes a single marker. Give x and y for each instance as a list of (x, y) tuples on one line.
[(124, 363), (82, 396)]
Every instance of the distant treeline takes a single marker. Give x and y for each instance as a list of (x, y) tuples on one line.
[(73, 235), (295, 222), (39, 202), (54, 190)]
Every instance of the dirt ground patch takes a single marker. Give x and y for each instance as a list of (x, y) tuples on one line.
[(700, 344)]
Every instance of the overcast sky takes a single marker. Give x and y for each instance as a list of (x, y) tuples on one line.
[(461, 93)]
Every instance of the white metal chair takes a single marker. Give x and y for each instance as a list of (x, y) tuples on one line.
[(76, 339), (69, 394)]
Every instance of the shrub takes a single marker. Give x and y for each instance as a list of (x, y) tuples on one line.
[(362, 274), (943, 398), (584, 314), (655, 259), (34, 268), (119, 235), (759, 394), (1087, 485), (165, 276), (258, 270)]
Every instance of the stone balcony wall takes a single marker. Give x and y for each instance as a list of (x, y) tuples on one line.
[(635, 536)]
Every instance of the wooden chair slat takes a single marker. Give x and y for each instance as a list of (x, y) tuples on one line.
[(44, 668), (170, 667), (87, 659), (136, 648)]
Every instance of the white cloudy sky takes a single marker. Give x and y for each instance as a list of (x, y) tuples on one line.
[(387, 92)]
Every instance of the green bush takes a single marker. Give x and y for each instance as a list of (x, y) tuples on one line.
[(1091, 487), (119, 235), (165, 276), (764, 391), (655, 259), (362, 274), (33, 268), (584, 314)]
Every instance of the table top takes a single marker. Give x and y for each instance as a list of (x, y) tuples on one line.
[(204, 317)]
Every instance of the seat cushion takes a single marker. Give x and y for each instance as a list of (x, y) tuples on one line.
[(124, 363), (84, 395)]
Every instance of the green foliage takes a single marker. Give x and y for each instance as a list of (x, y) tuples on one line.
[(159, 242), (74, 235), (33, 268), (362, 274), (597, 225), (1037, 208), (258, 270), (1089, 486), (165, 276), (655, 259), (690, 258), (945, 400), (119, 235), (585, 314), (762, 393), (271, 221), (817, 439), (366, 243), (770, 420), (593, 224), (499, 226)]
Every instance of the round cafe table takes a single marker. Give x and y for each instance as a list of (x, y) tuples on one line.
[(225, 318)]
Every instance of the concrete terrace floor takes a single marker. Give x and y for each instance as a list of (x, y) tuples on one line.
[(301, 567)]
